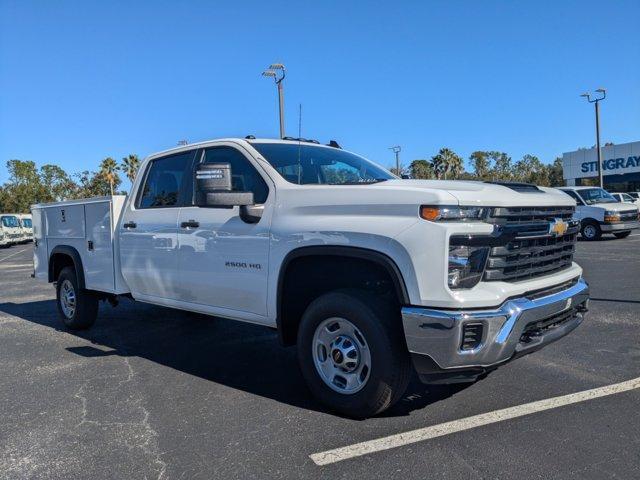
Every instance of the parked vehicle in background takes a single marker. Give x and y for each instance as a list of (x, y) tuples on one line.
[(625, 198), (26, 225), (600, 212), (10, 228), (369, 275)]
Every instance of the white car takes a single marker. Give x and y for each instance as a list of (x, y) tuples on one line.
[(368, 274), (625, 198), (599, 212)]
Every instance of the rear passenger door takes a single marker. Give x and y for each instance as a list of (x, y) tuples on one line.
[(223, 259), (149, 229)]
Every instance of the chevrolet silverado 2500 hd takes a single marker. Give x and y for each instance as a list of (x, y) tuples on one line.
[(370, 275)]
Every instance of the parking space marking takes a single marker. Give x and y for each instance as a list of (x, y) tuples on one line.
[(13, 254), (401, 439)]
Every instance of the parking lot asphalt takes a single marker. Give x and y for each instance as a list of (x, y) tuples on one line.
[(151, 392)]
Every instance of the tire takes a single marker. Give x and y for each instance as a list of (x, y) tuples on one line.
[(77, 308), (377, 333), (622, 234), (591, 231)]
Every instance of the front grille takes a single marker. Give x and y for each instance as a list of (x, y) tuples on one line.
[(532, 251), (629, 216)]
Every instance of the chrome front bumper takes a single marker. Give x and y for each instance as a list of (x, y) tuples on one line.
[(616, 227), (438, 334)]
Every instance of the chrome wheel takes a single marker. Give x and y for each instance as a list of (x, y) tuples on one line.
[(68, 299), (589, 231), (341, 355)]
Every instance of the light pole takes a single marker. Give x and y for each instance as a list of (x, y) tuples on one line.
[(397, 149), (278, 72), (596, 100)]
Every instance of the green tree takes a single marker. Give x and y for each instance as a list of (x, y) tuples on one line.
[(92, 184), (502, 166), (421, 169), (481, 165), (57, 185), (447, 164), (24, 187), (109, 170), (130, 165), (554, 173), (531, 170)]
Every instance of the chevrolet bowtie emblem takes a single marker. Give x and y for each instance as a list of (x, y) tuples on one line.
[(558, 227)]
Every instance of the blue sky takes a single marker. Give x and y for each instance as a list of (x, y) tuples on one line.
[(80, 81)]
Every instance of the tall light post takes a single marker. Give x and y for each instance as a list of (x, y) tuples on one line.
[(278, 72), (596, 101), (397, 149)]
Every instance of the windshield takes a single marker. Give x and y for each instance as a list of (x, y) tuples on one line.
[(9, 221), (27, 222), (308, 164), (596, 195)]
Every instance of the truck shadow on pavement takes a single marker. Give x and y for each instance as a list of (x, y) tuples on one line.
[(235, 354)]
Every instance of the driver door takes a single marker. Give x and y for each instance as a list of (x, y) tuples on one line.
[(223, 260)]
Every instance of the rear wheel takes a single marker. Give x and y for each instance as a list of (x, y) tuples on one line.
[(352, 353), (591, 231), (622, 234), (78, 308)]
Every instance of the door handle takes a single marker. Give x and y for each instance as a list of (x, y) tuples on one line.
[(190, 224), (130, 225)]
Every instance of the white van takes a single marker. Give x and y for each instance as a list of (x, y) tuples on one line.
[(599, 212), (26, 225), (10, 229)]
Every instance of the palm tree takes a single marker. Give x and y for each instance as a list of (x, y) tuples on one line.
[(452, 161), (109, 170), (130, 166)]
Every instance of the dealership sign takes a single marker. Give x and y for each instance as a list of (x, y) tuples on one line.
[(611, 164)]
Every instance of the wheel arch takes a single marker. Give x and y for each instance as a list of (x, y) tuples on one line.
[(63, 256), (287, 321)]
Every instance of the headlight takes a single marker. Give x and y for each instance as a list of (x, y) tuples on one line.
[(444, 213), (611, 217), (466, 265)]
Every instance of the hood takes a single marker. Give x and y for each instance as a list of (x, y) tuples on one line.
[(615, 207), (487, 194)]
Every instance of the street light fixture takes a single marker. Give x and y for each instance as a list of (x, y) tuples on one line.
[(596, 100), (278, 72)]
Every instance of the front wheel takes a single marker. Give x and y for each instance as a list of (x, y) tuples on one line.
[(78, 308), (622, 234), (591, 231), (352, 353)]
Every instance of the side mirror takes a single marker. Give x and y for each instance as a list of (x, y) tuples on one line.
[(213, 187)]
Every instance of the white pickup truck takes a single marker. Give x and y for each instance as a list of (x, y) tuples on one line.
[(370, 275)]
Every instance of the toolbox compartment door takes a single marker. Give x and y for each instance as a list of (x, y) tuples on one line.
[(97, 257)]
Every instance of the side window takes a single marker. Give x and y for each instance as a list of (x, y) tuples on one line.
[(244, 176), (162, 185), (573, 195)]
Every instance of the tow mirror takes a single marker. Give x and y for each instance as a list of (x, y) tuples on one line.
[(213, 187)]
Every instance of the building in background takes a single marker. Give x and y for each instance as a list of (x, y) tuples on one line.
[(621, 167)]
